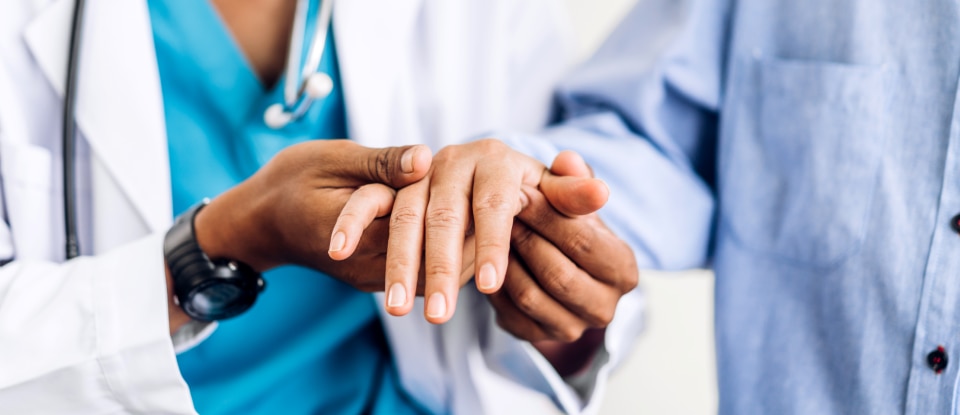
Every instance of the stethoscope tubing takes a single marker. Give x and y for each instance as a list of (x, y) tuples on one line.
[(70, 134), (297, 100)]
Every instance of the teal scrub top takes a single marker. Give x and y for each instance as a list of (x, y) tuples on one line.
[(311, 344)]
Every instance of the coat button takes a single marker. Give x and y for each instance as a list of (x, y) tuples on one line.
[(937, 360), (955, 223)]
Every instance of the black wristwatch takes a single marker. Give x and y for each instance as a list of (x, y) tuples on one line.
[(207, 290)]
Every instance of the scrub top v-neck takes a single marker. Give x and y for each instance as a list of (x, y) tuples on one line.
[(311, 344)]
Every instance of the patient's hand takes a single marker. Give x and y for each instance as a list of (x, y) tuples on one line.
[(566, 275)]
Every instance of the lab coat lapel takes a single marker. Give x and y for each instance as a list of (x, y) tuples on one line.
[(374, 39), (119, 104)]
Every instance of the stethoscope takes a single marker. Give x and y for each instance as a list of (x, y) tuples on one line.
[(304, 84)]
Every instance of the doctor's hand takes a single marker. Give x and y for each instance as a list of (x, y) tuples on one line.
[(285, 212)]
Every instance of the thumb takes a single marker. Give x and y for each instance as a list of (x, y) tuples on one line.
[(395, 167), (570, 188), (569, 163), (574, 196)]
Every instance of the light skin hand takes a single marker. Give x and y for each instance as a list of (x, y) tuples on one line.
[(475, 185), (495, 172), (367, 205)]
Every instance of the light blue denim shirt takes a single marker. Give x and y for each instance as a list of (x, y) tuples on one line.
[(808, 150)]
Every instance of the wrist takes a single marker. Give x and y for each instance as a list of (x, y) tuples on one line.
[(226, 229), (205, 288)]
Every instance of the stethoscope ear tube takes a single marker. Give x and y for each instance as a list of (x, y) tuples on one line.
[(70, 135)]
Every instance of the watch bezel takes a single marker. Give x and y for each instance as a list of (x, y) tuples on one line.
[(194, 272)]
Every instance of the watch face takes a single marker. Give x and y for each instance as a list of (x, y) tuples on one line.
[(215, 298), (219, 300)]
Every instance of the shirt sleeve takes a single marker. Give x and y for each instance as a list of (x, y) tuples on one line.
[(90, 335), (643, 113)]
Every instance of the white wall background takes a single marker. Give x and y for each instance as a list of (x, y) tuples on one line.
[(672, 369)]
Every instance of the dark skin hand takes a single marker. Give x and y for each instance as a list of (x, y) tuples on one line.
[(285, 212), (567, 273)]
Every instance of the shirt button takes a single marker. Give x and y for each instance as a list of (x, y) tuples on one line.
[(937, 359), (955, 223)]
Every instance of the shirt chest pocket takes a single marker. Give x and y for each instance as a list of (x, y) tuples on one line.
[(802, 157)]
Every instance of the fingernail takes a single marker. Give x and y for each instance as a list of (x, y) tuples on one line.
[(397, 296), (338, 242), (406, 160), (487, 278), (436, 305)]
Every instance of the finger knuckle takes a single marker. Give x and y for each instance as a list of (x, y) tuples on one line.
[(381, 166), (495, 245), (494, 204), (580, 242), (528, 300), (444, 218), (403, 217), (601, 316), (400, 266), (560, 280), (439, 271)]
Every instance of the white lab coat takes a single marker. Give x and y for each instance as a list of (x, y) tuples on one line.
[(90, 336)]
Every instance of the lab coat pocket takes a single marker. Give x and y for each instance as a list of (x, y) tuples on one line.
[(27, 190), (801, 162)]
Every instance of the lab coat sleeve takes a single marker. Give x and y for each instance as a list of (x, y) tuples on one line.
[(643, 113), (89, 336)]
